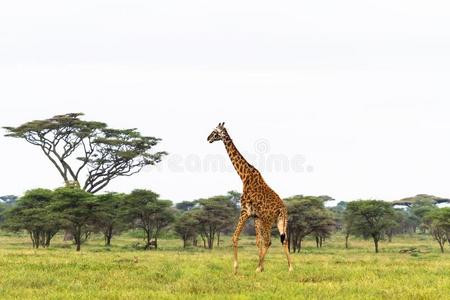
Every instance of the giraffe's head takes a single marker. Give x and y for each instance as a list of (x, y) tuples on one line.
[(217, 134)]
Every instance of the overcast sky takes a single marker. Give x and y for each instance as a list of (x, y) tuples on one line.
[(345, 98)]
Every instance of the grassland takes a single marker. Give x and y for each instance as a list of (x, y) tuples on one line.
[(122, 272)]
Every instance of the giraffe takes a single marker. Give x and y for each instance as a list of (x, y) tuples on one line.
[(258, 200)]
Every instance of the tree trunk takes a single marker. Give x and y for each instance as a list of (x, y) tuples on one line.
[(37, 239), (42, 238), (32, 239), (108, 236), (375, 240), (49, 236), (294, 244), (321, 239), (299, 245), (210, 242), (317, 241), (108, 240), (210, 238), (204, 241), (148, 237), (346, 240), (78, 242), (218, 239), (77, 237), (289, 238)]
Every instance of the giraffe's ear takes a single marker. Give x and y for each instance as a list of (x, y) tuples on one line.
[(221, 124)]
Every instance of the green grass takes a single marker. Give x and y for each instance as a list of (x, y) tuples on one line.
[(121, 272)]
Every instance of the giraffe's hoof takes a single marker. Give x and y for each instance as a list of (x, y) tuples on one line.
[(291, 268), (259, 270)]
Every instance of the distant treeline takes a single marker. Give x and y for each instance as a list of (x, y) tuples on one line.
[(42, 213)]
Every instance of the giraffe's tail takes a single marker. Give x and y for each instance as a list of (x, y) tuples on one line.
[(282, 225)]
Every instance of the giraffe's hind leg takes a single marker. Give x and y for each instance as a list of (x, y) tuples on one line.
[(264, 232), (259, 240), (282, 228)]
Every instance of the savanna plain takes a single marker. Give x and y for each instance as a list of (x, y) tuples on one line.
[(122, 271)]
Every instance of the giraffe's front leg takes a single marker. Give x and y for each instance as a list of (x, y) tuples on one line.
[(242, 219)]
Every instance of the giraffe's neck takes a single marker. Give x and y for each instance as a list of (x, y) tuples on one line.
[(241, 166)]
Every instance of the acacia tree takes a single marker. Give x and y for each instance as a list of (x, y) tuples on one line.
[(307, 215), (216, 214), (438, 221), (108, 216), (417, 208), (75, 209), (323, 226), (31, 213), (163, 218), (186, 227), (146, 211), (88, 149), (347, 227), (370, 218)]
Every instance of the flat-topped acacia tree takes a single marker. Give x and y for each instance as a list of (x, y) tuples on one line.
[(88, 150)]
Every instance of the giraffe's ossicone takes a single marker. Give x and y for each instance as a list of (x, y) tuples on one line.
[(258, 200)]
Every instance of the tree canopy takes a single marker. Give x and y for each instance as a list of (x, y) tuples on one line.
[(215, 215), (75, 209), (109, 215), (146, 211), (307, 215), (31, 213), (421, 198), (370, 218), (438, 221), (91, 148), (186, 227)]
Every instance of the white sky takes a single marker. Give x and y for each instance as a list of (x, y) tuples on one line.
[(359, 89)]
